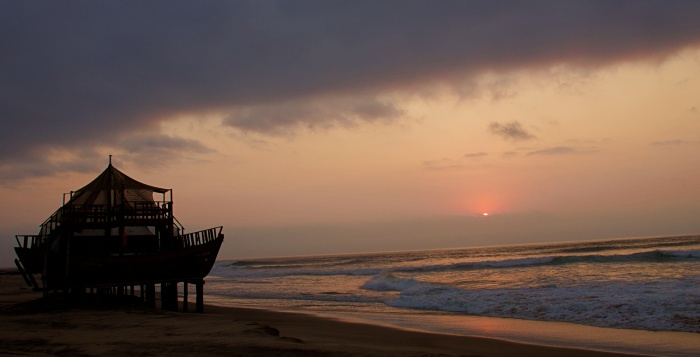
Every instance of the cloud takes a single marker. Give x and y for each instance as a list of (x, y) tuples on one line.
[(676, 142), (563, 150), (444, 164), (159, 150), (35, 165), (474, 155), (145, 150), (558, 150), (285, 117), (162, 143), (510, 131), (454, 164), (673, 143), (81, 73)]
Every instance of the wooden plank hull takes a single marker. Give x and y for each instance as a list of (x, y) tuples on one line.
[(190, 263), (32, 259)]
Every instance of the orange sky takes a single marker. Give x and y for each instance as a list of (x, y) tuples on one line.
[(620, 140), (558, 147)]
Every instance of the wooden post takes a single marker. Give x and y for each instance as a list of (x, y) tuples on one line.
[(168, 296), (173, 296), (164, 296), (200, 296), (151, 295), (184, 296)]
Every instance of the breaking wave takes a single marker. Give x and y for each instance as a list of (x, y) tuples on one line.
[(661, 305), (264, 268)]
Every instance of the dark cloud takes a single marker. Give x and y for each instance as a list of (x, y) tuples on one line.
[(76, 74), (160, 150), (162, 143), (511, 131), (280, 118), (33, 165), (146, 150)]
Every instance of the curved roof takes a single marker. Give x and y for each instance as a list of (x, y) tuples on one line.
[(113, 186)]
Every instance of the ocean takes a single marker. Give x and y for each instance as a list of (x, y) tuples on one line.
[(640, 284)]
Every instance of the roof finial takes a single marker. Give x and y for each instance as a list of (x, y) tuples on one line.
[(110, 160)]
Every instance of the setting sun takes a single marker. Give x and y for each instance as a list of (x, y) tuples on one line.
[(485, 214)]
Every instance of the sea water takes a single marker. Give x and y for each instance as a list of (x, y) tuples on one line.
[(643, 284)]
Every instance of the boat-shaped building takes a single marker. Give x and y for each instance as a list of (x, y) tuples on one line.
[(118, 235)]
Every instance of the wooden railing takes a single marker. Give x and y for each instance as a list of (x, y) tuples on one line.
[(29, 241), (51, 224), (148, 211), (98, 214), (201, 237)]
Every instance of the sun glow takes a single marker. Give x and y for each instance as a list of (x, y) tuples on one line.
[(485, 214)]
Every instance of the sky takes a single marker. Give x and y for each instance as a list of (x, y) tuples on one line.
[(326, 127)]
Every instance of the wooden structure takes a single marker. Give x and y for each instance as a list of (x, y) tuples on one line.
[(112, 236)]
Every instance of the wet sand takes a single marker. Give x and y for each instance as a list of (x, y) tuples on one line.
[(29, 326)]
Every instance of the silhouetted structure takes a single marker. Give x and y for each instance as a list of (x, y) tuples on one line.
[(112, 236)]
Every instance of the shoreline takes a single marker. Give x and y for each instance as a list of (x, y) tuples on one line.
[(323, 331), (224, 331), (530, 332)]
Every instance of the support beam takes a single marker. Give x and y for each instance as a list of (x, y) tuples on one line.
[(184, 296), (173, 296), (200, 296), (151, 295), (30, 282), (168, 296)]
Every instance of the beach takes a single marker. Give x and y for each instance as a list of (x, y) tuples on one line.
[(28, 327)]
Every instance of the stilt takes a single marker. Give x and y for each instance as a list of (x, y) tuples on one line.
[(168, 296), (151, 295), (184, 296), (173, 296), (200, 296), (164, 296)]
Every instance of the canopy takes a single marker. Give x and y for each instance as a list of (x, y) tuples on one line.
[(113, 187)]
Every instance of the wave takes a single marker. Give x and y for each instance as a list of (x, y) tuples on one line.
[(649, 256), (386, 281), (302, 262), (670, 305), (261, 269), (653, 243), (246, 272)]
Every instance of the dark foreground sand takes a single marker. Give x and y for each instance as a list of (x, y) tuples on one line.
[(29, 327)]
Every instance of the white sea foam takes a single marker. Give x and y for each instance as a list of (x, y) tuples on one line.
[(681, 253), (388, 282), (662, 305), (267, 269), (650, 284)]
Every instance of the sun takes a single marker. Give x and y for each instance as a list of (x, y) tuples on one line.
[(485, 214)]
